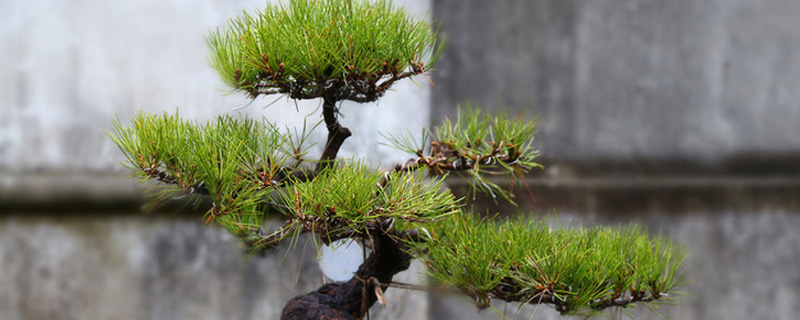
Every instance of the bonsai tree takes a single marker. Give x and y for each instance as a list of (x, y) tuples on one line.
[(355, 50)]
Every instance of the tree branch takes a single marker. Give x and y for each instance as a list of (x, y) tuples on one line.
[(336, 133), (510, 291)]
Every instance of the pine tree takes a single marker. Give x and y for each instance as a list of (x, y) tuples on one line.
[(355, 50)]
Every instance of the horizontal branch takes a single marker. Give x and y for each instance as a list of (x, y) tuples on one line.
[(283, 179), (563, 305), (440, 164), (357, 90)]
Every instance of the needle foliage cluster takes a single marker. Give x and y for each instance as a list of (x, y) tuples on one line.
[(240, 163), (352, 195), (578, 270), (481, 146), (236, 162), (353, 49)]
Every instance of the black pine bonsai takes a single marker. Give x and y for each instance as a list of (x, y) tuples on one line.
[(355, 50)]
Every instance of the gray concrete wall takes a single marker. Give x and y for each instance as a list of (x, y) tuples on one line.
[(631, 79), (122, 266), (680, 115)]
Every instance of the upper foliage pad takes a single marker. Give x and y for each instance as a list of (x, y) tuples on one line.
[(343, 49)]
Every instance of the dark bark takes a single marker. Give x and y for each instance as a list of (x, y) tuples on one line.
[(336, 133), (354, 87), (352, 299)]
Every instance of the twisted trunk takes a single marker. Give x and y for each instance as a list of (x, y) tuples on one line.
[(352, 299), (336, 133)]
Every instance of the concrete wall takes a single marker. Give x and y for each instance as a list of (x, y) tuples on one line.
[(122, 266), (631, 79), (679, 115)]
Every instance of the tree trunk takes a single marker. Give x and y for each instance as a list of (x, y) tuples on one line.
[(352, 299)]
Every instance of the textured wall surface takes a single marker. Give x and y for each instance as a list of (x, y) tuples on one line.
[(627, 79), (680, 115), (125, 267)]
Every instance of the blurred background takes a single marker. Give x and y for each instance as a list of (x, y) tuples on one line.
[(683, 116)]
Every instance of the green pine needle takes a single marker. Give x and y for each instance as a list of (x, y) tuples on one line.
[(349, 196), (580, 271), (477, 145), (235, 162), (353, 49)]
